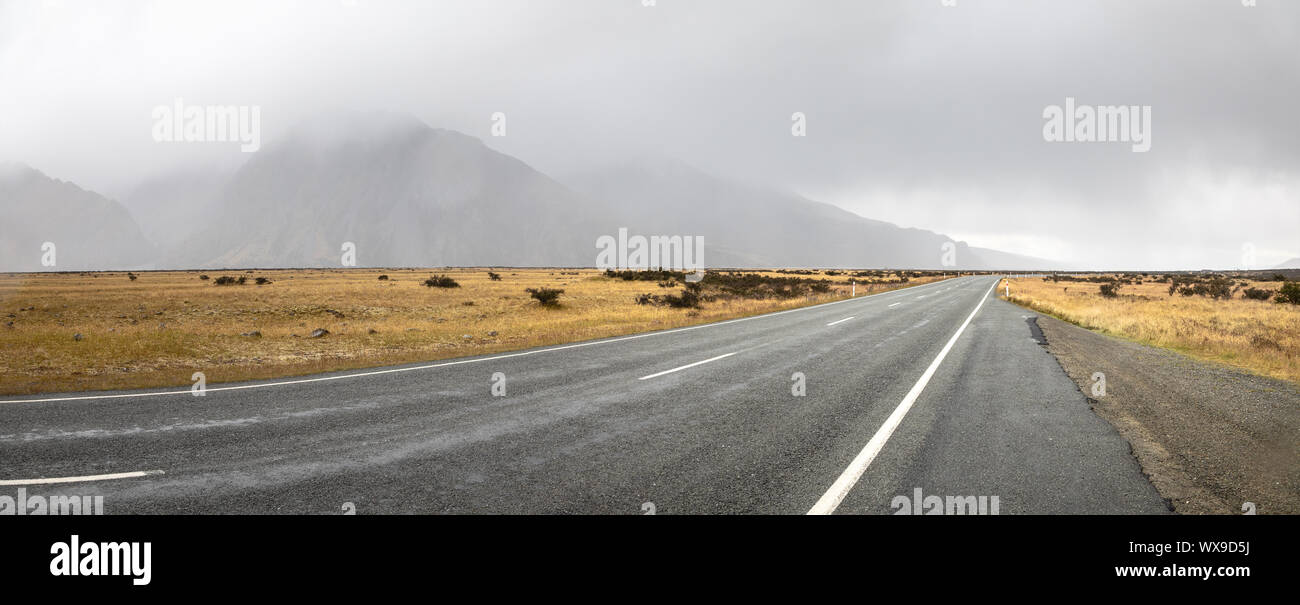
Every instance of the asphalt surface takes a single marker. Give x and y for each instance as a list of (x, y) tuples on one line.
[(596, 428)]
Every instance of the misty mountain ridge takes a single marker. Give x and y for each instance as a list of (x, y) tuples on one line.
[(407, 194), (89, 231), (404, 193), (748, 226)]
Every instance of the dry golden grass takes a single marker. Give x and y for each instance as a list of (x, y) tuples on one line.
[(160, 329), (1258, 336)]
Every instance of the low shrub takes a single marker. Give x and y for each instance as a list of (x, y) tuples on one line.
[(1289, 294), (440, 281), (548, 297), (1257, 294)]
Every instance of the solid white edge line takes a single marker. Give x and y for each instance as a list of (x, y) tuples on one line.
[(840, 489), (477, 360), (895, 304), (689, 365), (82, 479), (840, 321)]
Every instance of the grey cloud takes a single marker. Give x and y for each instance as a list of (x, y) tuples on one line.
[(923, 115)]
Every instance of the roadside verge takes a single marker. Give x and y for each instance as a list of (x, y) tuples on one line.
[(1210, 438)]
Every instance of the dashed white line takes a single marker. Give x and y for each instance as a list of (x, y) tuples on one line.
[(896, 304), (82, 479), (263, 385), (689, 365), (838, 490), (838, 321)]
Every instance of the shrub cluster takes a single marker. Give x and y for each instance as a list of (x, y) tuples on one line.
[(440, 281), (1289, 293), (1257, 294), (548, 297), (656, 276)]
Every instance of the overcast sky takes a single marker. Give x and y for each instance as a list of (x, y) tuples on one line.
[(920, 114)]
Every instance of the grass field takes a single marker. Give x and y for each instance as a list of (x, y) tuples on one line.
[(159, 329), (1255, 335)]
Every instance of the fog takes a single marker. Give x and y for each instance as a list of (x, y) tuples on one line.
[(917, 113)]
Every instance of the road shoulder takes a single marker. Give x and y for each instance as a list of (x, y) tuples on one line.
[(1210, 438)]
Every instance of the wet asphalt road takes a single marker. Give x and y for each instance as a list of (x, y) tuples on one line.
[(608, 426)]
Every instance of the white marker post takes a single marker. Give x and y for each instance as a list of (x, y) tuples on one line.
[(1008, 286), (855, 288)]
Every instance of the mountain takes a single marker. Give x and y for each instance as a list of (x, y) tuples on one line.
[(746, 226), (404, 193), (170, 207), (1290, 264), (88, 230), (407, 194)]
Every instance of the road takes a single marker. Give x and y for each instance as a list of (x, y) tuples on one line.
[(940, 387)]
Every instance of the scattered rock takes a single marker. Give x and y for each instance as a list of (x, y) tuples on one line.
[(374, 331), (467, 337), (318, 333), (253, 334), (77, 337), (337, 314), (492, 333)]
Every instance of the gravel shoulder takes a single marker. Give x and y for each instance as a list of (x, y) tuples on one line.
[(1209, 437)]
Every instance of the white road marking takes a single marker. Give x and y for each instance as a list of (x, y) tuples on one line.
[(895, 304), (82, 479), (840, 321), (838, 490), (263, 385), (689, 365)]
